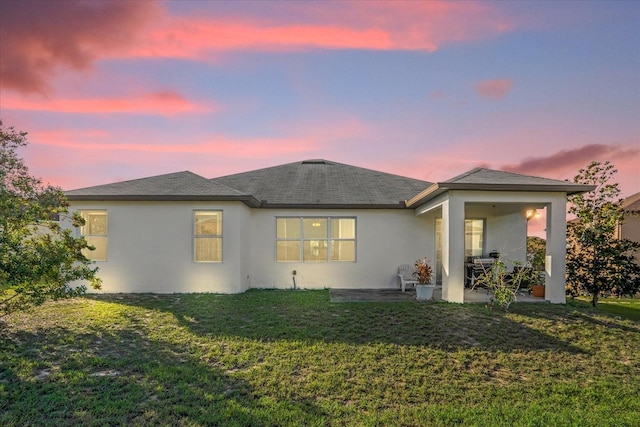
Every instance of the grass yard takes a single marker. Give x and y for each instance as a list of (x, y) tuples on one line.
[(279, 358), (624, 307)]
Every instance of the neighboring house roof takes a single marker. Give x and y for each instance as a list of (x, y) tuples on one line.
[(174, 186), (322, 183), (632, 203), (492, 180)]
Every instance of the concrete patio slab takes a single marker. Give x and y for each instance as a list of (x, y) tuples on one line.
[(396, 295), (372, 295)]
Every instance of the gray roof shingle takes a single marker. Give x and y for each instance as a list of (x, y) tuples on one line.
[(493, 180), (322, 183), (483, 176), (174, 186), (315, 184)]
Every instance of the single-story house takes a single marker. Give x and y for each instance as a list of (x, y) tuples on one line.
[(630, 227), (313, 224)]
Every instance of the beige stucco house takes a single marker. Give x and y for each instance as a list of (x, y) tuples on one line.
[(630, 227), (313, 224)]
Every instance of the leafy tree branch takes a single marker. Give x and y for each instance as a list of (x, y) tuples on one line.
[(39, 260), (599, 262)]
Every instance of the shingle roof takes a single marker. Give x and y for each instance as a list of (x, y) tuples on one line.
[(493, 180), (315, 184), (632, 203), (174, 186), (322, 183), (485, 176)]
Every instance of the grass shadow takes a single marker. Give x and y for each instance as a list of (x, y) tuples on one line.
[(58, 376), (293, 358), (271, 315)]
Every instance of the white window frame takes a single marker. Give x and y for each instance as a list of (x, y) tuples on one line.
[(483, 236), (85, 215), (328, 239), (196, 237)]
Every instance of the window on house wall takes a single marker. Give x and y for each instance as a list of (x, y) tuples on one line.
[(207, 236), (315, 239), (473, 237), (343, 239), (94, 231)]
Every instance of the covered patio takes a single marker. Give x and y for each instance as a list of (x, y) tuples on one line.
[(484, 212)]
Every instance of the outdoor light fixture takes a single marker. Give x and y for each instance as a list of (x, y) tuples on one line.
[(315, 224), (532, 213)]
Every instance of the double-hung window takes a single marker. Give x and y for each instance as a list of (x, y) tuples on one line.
[(315, 239), (94, 231), (207, 236)]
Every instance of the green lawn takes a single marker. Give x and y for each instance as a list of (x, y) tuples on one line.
[(623, 307), (270, 357)]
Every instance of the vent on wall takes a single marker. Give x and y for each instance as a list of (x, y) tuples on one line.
[(316, 162)]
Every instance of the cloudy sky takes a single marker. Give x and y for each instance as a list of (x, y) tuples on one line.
[(115, 90)]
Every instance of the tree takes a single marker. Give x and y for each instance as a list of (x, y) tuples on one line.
[(598, 262), (38, 258), (536, 252)]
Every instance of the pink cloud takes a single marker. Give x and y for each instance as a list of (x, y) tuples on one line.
[(184, 38), (565, 164), (37, 37), (101, 156), (571, 160), (494, 89), (98, 160), (219, 145), (164, 103), (437, 94), (398, 25)]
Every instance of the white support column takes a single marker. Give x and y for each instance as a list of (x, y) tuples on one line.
[(555, 265), (453, 250)]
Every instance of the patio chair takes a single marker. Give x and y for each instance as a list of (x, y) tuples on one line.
[(476, 268), (405, 273)]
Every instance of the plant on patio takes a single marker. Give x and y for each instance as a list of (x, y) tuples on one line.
[(503, 285), (423, 271)]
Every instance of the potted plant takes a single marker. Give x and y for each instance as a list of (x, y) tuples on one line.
[(537, 284), (536, 254), (423, 273)]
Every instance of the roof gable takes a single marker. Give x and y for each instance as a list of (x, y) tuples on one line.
[(322, 183)]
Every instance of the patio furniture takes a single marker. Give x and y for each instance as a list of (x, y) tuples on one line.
[(405, 273), (477, 267)]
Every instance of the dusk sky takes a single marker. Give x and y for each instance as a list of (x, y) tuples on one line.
[(116, 90)]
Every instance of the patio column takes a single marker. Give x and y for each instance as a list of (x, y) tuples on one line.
[(555, 262), (453, 250)]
